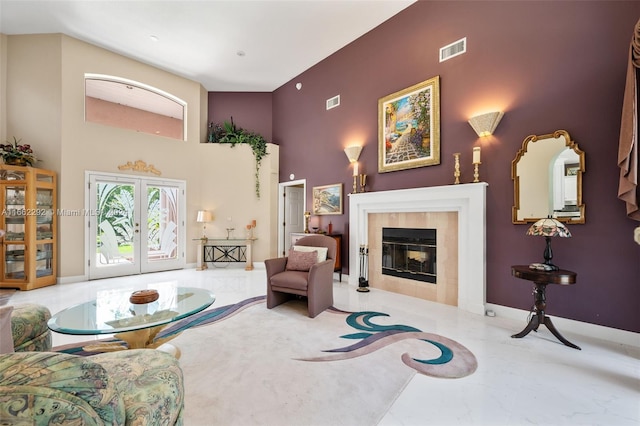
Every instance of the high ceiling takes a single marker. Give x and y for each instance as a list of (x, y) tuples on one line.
[(239, 45)]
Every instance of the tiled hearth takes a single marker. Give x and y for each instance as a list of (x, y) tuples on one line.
[(467, 200), (445, 290)]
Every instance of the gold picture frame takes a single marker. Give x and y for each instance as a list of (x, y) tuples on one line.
[(409, 127), (327, 199)]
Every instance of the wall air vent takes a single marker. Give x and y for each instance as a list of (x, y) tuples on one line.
[(454, 49), (333, 102)]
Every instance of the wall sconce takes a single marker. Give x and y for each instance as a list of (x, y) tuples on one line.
[(353, 153), (485, 124), (204, 216)]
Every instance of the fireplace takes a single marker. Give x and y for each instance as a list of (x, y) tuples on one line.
[(409, 253), (467, 202)]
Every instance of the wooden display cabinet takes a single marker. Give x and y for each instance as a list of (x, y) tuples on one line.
[(28, 257)]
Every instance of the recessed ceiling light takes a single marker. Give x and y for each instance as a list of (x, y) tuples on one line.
[(240, 53), (153, 38)]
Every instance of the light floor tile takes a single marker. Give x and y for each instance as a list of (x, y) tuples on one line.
[(531, 381)]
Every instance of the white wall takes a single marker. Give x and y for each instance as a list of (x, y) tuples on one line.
[(45, 107)]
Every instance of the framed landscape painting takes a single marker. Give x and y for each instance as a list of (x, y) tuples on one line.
[(409, 127), (327, 199)]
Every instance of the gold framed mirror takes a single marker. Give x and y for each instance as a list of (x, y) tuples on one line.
[(547, 179)]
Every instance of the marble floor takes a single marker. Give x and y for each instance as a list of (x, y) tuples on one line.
[(531, 381)]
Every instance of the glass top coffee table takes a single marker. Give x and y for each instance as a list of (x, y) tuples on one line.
[(136, 324)]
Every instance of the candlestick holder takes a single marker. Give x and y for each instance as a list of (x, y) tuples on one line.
[(456, 172), (307, 216), (230, 232), (363, 182), (476, 172), (355, 184), (250, 227)]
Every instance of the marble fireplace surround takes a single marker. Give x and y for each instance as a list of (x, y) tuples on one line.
[(468, 200)]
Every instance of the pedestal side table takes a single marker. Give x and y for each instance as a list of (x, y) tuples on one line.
[(541, 279)]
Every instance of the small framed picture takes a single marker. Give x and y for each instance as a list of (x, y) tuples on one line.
[(327, 199), (571, 169)]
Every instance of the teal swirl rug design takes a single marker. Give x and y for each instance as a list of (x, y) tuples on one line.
[(454, 360)]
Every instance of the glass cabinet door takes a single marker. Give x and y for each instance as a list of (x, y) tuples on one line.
[(44, 214), (14, 262), (14, 212), (44, 259), (44, 177), (14, 215), (44, 231)]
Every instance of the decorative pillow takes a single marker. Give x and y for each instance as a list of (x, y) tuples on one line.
[(301, 260), (322, 251)]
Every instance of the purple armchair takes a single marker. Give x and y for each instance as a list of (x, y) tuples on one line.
[(316, 283)]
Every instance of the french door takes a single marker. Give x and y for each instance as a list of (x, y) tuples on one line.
[(136, 225)]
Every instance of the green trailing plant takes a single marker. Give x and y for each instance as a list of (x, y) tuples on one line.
[(228, 132)]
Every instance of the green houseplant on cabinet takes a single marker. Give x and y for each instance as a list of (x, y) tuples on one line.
[(228, 132), (17, 154)]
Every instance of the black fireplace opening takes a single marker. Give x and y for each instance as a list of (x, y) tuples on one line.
[(409, 253)]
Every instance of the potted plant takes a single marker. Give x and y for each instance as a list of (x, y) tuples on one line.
[(16, 154), (228, 132)]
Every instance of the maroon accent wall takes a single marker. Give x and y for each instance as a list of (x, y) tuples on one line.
[(548, 66), (250, 110)]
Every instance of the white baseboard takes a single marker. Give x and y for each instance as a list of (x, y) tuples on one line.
[(74, 279), (592, 330), (563, 324)]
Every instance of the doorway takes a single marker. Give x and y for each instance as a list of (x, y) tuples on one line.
[(136, 225), (291, 208)]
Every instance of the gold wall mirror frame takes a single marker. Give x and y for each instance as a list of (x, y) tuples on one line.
[(547, 179)]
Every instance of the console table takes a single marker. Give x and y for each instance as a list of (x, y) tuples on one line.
[(224, 250), (540, 280)]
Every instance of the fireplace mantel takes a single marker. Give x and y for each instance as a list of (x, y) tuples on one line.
[(468, 200)]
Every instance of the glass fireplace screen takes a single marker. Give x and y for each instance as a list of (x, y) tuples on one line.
[(409, 253)]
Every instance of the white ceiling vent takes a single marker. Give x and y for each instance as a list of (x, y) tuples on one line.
[(333, 102), (454, 49)]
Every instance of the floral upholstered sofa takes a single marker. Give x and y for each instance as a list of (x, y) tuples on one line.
[(29, 328), (131, 387)]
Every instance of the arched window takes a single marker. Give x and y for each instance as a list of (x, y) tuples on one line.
[(128, 104)]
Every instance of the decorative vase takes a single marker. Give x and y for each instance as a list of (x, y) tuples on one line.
[(13, 161)]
